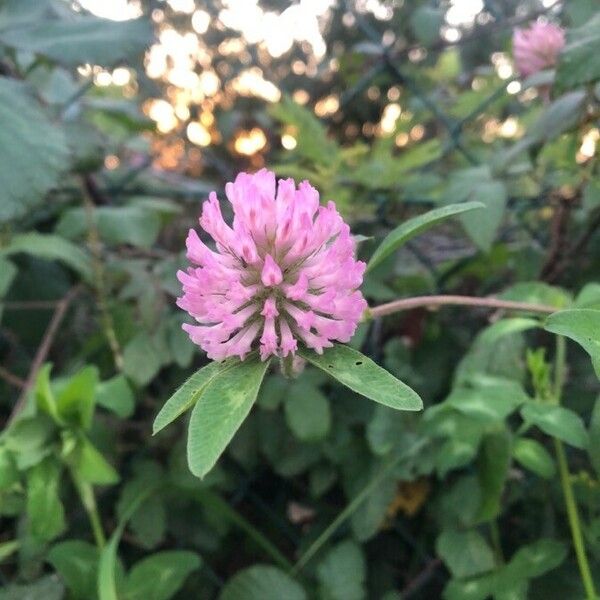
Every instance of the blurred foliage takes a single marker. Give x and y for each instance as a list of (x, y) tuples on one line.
[(320, 494)]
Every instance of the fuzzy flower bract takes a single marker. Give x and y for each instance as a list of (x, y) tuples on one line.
[(537, 47), (283, 274)]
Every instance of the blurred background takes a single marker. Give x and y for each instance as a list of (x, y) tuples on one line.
[(117, 118)]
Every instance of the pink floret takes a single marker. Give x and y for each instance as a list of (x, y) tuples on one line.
[(537, 47), (283, 273)]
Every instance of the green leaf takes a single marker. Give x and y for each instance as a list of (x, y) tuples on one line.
[(149, 521), (8, 549), (533, 456), (311, 136), (46, 588), (141, 360), (160, 576), (483, 225), (594, 441), (409, 229), (426, 22), (133, 225), (115, 394), (44, 395), (50, 247), (558, 117), (578, 62), (189, 392), (492, 468), (77, 563), (34, 150), (30, 439), (362, 375), (76, 400), (262, 582), (581, 325), (466, 553), (84, 39), (92, 467), (342, 573), (307, 412), (557, 421), (536, 559), (107, 566), (44, 507), (223, 404), (488, 399)]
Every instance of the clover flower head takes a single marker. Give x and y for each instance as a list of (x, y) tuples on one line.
[(283, 274), (537, 47)]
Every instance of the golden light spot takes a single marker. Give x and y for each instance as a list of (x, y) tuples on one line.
[(209, 83), (250, 142), (402, 139), (164, 115), (103, 78), (301, 96), (510, 128), (588, 145), (288, 141), (198, 134), (111, 162), (327, 106), (417, 132), (389, 117), (373, 93), (252, 83), (393, 94), (200, 21), (121, 76), (514, 87)]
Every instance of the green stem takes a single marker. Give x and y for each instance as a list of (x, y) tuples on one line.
[(86, 493), (565, 480), (497, 545), (349, 510)]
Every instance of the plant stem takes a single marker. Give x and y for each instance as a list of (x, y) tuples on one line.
[(450, 300), (349, 510), (86, 494), (565, 479)]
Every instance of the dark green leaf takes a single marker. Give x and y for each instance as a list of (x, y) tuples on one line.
[(581, 325), (594, 441), (77, 563), (50, 247), (409, 229), (342, 573), (82, 40), (362, 375), (557, 421), (307, 412), (223, 404), (115, 394), (262, 582), (578, 61), (533, 456), (466, 553), (189, 392), (44, 507), (492, 467), (34, 150), (160, 576)]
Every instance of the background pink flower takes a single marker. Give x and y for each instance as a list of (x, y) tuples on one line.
[(284, 273), (537, 47)]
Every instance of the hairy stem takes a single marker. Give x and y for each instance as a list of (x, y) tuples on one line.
[(99, 283), (451, 300)]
